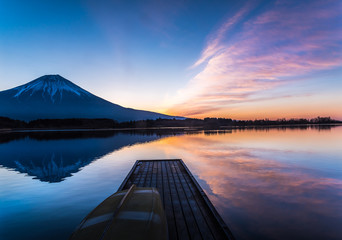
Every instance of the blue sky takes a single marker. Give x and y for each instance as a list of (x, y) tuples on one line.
[(243, 59)]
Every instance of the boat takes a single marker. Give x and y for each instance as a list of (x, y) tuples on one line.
[(134, 213)]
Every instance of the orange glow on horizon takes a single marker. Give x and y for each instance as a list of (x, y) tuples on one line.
[(301, 107)]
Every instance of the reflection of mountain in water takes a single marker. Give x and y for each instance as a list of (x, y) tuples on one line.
[(53, 156)]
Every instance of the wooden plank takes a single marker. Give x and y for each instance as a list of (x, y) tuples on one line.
[(195, 208), (154, 174), (149, 174), (160, 181), (168, 207), (142, 172), (182, 229), (136, 176), (188, 215), (146, 174)]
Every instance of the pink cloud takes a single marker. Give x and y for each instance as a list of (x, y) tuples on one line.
[(270, 50)]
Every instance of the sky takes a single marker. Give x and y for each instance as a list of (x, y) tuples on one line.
[(234, 59)]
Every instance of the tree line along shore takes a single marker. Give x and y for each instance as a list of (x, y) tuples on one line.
[(206, 123)]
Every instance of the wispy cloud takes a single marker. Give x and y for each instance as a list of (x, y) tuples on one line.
[(214, 45), (254, 52)]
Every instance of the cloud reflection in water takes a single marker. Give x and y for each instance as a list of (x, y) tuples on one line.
[(264, 197)]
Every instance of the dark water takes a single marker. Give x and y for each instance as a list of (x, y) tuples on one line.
[(266, 183)]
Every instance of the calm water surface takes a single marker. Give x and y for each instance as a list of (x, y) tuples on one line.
[(266, 184)]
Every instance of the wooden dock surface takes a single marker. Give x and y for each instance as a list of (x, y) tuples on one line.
[(189, 212)]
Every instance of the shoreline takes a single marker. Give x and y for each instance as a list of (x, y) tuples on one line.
[(23, 130)]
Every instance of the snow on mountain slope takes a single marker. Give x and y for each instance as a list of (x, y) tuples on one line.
[(50, 86)]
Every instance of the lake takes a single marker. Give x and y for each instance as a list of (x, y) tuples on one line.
[(267, 183)]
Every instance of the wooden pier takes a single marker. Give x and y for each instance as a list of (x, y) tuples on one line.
[(189, 212)]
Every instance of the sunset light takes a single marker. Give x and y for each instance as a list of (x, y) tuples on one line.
[(170, 119), (246, 60)]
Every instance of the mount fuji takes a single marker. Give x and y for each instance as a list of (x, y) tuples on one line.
[(54, 97)]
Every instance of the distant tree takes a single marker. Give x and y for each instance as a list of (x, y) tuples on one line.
[(6, 122)]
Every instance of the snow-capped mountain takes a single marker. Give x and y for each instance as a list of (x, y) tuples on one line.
[(52, 96), (50, 88)]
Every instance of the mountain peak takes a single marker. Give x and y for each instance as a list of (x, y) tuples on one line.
[(52, 77), (50, 87)]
